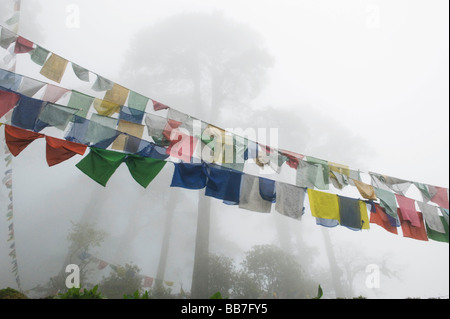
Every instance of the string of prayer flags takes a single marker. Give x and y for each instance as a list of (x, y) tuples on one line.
[(250, 197), (80, 72), (101, 164), (54, 68)]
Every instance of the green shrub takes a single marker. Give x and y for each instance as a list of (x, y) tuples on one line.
[(80, 293), (10, 293)]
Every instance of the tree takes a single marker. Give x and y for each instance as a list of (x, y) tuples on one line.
[(221, 275), (276, 273), (198, 63), (82, 238), (123, 280)]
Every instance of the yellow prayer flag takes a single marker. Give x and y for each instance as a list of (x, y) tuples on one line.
[(118, 94), (364, 216), (323, 205), (367, 191), (54, 68), (130, 128), (339, 168), (106, 108)]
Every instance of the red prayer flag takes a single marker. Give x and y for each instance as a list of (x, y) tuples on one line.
[(18, 139), (23, 45), (441, 197), (148, 281), (159, 106), (410, 231), (7, 101), (182, 146), (58, 150), (408, 208), (380, 218), (293, 158)]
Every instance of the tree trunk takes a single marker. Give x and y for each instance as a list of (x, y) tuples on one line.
[(334, 269)]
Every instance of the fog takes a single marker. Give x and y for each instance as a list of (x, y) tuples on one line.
[(360, 83)]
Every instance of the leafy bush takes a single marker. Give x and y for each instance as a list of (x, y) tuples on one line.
[(137, 295), (80, 293), (10, 293)]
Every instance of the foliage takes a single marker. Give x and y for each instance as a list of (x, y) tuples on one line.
[(122, 280), (10, 293), (137, 295), (221, 274), (81, 293), (217, 295), (276, 272), (319, 293)]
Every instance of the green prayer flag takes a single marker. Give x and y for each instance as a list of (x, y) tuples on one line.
[(137, 101), (387, 201), (101, 164), (144, 169), (80, 101), (438, 236), (39, 55)]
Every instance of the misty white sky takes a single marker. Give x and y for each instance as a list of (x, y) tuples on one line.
[(376, 71)]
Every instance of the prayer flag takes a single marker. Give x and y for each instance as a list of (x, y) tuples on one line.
[(58, 150), (106, 108), (117, 94), (54, 68), (137, 101), (80, 101), (8, 100), (410, 231), (39, 55), (23, 45), (250, 197), (25, 114), (159, 106), (323, 205), (18, 139), (53, 93), (190, 176), (290, 200), (80, 72), (102, 84), (379, 217)]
